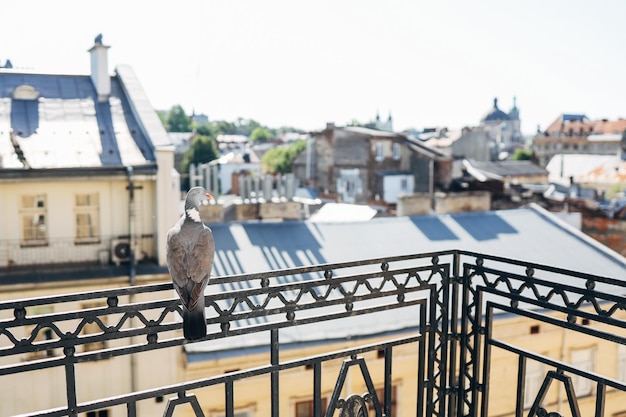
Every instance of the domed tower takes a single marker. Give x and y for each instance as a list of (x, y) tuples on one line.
[(514, 123), (494, 114), (384, 125), (500, 127)]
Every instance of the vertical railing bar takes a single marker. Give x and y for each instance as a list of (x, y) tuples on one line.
[(600, 398), (70, 381), (317, 389), (477, 392), (274, 358), (464, 288), (484, 406), (421, 358), (432, 327), (131, 408), (229, 398), (388, 388), (451, 323), (521, 386)]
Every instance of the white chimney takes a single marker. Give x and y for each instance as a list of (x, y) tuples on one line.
[(100, 69)]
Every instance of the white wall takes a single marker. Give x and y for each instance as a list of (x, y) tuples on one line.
[(392, 187)]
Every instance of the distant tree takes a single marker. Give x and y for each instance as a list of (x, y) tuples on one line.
[(245, 127), (205, 130), (261, 134), (177, 120), (203, 149), (280, 159), (223, 128), (522, 154)]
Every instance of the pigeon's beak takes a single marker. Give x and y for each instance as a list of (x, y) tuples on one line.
[(207, 195)]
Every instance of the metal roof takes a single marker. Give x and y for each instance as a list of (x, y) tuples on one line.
[(63, 125), (528, 234)]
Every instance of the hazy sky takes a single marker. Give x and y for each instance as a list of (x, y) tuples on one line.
[(305, 63)]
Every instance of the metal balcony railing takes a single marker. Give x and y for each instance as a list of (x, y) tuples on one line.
[(454, 312)]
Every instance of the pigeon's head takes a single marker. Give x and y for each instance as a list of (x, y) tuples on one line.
[(195, 197)]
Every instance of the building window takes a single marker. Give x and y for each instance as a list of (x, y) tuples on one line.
[(396, 151), (379, 152), (582, 359), (305, 408), (404, 184), (34, 217), (87, 211)]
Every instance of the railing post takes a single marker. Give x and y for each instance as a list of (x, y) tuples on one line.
[(317, 389), (274, 376), (229, 399), (451, 293), (70, 380), (387, 399)]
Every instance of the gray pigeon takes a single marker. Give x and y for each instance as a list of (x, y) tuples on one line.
[(190, 250)]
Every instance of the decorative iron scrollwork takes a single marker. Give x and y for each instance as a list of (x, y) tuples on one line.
[(355, 405)]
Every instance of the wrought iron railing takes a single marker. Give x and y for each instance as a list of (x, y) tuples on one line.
[(456, 313)]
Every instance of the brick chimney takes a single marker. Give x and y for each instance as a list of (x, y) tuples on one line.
[(99, 69)]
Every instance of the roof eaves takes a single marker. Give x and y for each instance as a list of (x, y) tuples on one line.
[(20, 173)]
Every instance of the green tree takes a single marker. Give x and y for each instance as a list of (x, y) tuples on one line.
[(522, 154), (245, 127), (203, 149), (177, 120), (261, 134), (280, 159)]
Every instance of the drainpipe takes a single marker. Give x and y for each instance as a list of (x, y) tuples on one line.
[(131, 224), (131, 267)]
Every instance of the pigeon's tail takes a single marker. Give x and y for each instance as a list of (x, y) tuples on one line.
[(194, 323)]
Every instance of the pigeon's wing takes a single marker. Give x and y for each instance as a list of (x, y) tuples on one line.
[(175, 257), (202, 256), (200, 265)]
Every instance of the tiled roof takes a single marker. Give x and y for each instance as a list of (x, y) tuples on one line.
[(604, 126)]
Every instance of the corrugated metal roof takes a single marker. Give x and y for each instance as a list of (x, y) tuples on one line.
[(528, 234)]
